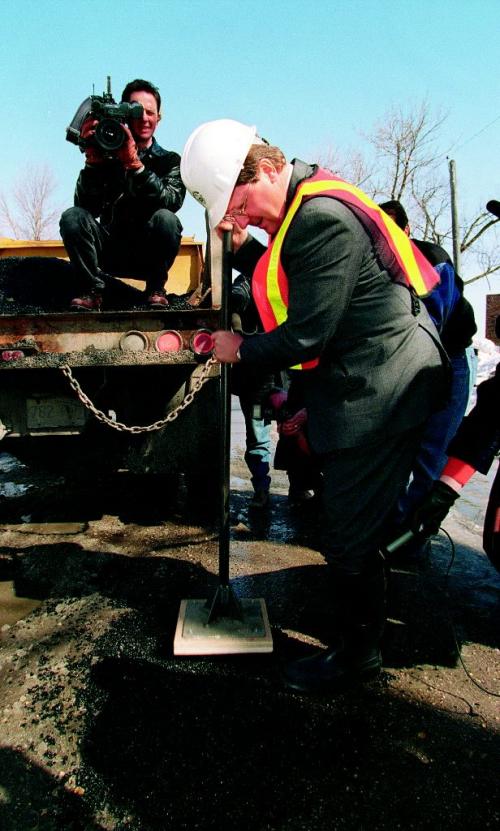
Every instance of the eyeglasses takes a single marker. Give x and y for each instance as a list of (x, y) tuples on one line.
[(242, 210)]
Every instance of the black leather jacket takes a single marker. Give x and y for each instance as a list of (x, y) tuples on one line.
[(124, 198)]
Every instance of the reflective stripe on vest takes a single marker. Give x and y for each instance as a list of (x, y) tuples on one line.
[(398, 255)]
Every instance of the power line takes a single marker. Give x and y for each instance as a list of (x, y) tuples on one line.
[(486, 126)]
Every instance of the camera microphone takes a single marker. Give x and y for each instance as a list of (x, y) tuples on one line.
[(493, 206)]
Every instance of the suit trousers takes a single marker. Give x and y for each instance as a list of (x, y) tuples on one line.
[(361, 486)]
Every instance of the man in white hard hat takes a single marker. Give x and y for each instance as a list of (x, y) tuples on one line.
[(336, 291)]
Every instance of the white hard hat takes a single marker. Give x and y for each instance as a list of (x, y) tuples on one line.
[(212, 160)]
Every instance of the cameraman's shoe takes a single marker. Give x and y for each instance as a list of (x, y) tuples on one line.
[(157, 300), (88, 303)]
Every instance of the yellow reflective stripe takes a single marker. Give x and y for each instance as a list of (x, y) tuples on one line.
[(403, 245), (280, 309)]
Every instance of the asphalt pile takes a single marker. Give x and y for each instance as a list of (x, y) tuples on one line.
[(41, 285)]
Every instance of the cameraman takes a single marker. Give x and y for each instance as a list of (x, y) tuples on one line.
[(135, 193)]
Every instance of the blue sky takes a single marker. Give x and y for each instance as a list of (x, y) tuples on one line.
[(309, 75)]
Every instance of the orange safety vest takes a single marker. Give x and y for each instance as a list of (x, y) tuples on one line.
[(398, 255)]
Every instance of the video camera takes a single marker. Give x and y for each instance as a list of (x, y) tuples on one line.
[(109, 135)]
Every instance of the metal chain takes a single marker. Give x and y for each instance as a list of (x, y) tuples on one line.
[(157, 425)]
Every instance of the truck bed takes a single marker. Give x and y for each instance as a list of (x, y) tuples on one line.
[(36, 320), (99, 338)]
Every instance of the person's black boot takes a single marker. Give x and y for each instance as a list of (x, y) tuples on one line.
[(261, 480), (355, 651), (324, 671), (365, 622)]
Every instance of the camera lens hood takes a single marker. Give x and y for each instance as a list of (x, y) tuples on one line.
[(73, 131)]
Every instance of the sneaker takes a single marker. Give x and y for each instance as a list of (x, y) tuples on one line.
[(259, 499), (88, 303), (157, 300)]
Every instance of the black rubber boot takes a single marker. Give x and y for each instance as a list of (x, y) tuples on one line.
[(355, 651)]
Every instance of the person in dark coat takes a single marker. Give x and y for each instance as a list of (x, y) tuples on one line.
[(252, 388), (123, 220), (474, 447), (266, 396), (455, 322), (371, 358)]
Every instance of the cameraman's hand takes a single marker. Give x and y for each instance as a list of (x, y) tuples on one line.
[(433, 509), (128, 152), (92, 153)]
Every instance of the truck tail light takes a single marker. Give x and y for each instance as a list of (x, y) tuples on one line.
[(202, 343), (169, 341), (11, 354)]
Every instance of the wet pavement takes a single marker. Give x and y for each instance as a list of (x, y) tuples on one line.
[(102, 727)]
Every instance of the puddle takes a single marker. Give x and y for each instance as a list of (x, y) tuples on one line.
[(9, 463), (10, 490), (12, 607)]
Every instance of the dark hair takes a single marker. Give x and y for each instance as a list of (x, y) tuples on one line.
[(394, 207), (256, 153), (139, 85)]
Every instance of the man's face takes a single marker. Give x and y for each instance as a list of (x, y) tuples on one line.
[(260, 203), (144, 127)]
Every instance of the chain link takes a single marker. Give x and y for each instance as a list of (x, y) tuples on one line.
[(157, 425)]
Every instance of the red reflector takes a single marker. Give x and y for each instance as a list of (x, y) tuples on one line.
[(169, 341), (11, 354), (202, 342)]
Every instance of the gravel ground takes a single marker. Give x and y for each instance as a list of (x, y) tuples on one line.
[(101, 727)]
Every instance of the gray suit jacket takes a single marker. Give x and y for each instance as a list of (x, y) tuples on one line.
[(382, 368)]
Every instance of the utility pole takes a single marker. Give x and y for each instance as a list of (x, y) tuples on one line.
[(455, 229)]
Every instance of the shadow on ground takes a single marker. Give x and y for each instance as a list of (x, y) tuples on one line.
[(220, 744), (32, 799)]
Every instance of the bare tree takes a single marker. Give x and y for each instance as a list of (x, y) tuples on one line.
[(405, 162), (28, 212), (484, 249), (350, 165)]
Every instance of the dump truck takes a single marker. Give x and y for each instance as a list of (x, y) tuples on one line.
[(124, 388)]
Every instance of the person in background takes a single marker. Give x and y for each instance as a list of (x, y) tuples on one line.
[(293, 450), (454, 319), (263, 398), (337, 306), (123, 220), (474, 447), (252, 388)]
